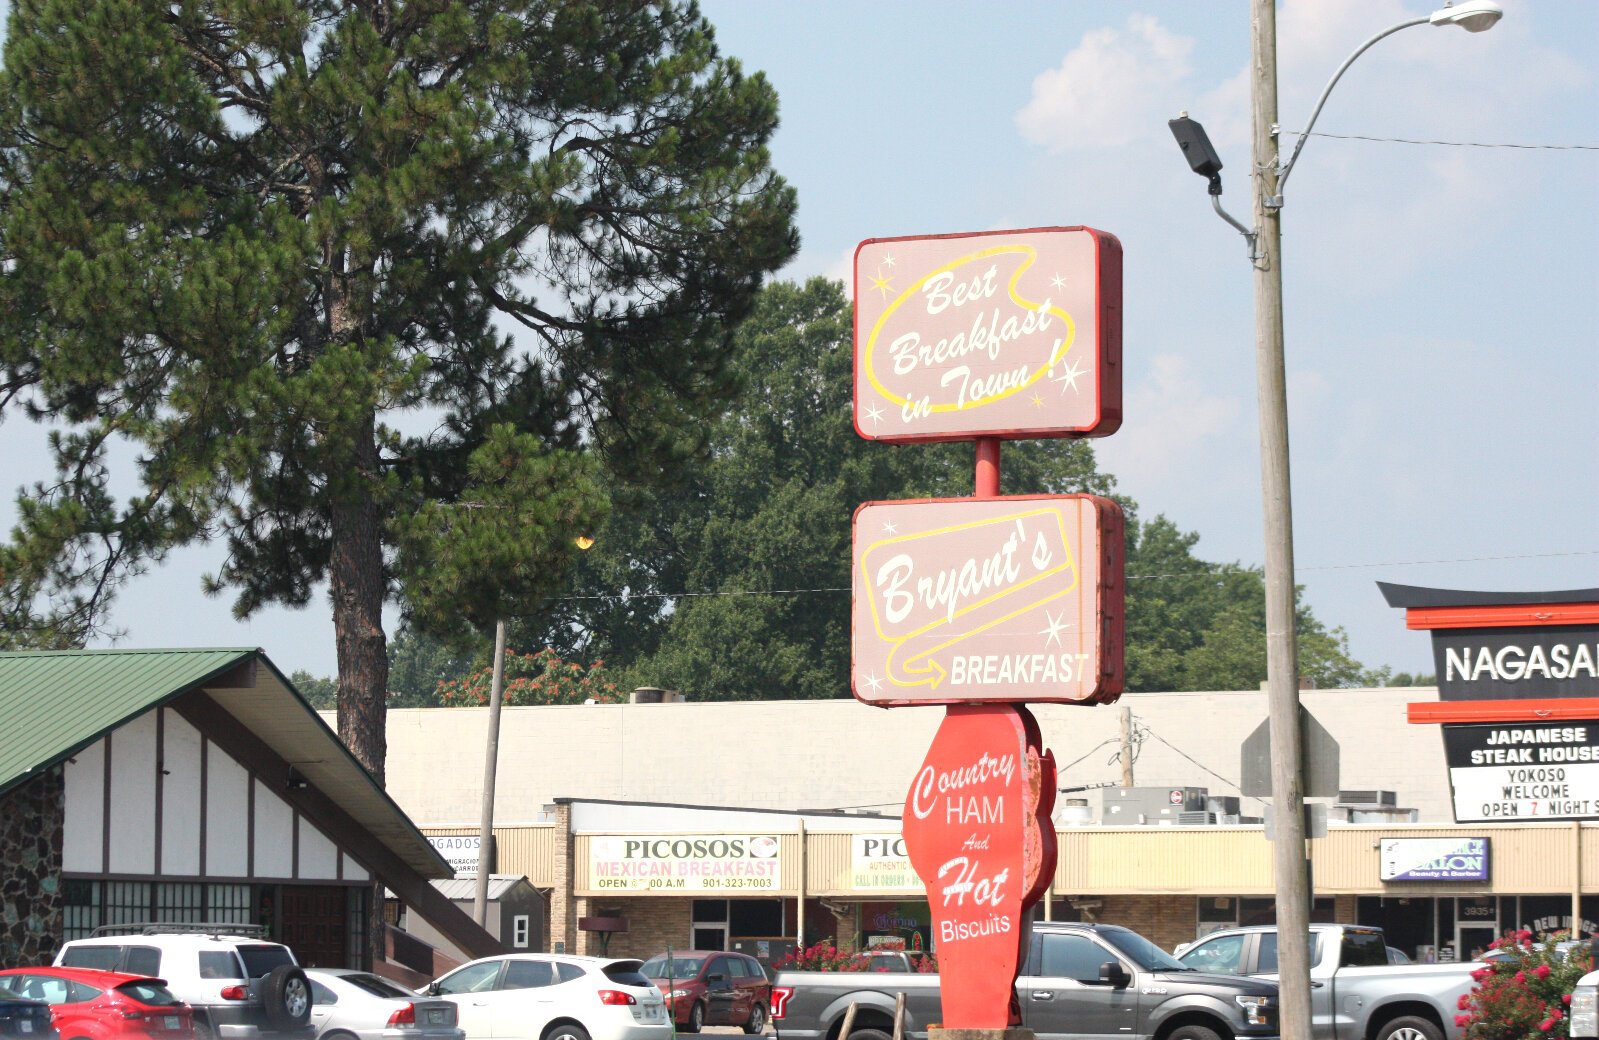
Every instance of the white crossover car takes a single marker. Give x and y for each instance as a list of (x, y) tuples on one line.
[(553, 996)]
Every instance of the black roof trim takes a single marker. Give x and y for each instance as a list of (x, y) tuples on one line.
[(728, 808), (1416, 596)]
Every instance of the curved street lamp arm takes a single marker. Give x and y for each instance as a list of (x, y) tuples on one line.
[(1304, 135)]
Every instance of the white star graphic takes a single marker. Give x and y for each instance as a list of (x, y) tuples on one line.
[(1058, 282), (1053, 629), (874, 413), (888, 260), (872, 682), (1068, 378), (889, 528)]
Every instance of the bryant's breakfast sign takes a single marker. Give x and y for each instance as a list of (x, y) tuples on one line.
[(1007, 599), (1001, 334)]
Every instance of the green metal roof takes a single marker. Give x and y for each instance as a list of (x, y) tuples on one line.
[(56, 703)]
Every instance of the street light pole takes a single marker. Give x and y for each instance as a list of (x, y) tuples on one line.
[(1290, 867), (491, 761), (1282, 649)]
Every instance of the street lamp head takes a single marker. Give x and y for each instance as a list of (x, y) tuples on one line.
[(1197, 149), (1472, 16)]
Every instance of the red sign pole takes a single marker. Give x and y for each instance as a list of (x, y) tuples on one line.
[(987, 481), (978, 831)]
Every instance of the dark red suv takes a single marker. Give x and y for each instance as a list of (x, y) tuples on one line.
[(712, 988)]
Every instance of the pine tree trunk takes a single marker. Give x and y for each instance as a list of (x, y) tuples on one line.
[(355, 573)]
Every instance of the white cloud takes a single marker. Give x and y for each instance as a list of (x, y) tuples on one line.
[(1172, 429), (1108, 90)]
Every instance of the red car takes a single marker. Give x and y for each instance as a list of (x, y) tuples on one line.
[(86, 1004), (712, 988)]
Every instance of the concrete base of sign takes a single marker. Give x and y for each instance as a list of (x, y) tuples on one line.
[(1013, 1033)]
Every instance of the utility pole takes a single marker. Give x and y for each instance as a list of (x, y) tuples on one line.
[(491, 759), (1282, 657), (1127, 747)]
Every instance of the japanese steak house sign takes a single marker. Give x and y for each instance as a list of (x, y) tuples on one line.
[(1518, 697), (982, 604), (670, 864)]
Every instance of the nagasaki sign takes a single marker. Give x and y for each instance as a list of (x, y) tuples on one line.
[(1524, 771), (961, 601), (1002, 334)]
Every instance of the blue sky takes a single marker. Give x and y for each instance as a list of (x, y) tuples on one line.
[(1440, 301)]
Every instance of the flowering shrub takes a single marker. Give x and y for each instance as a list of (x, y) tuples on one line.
[(541, 677), (824, 956), (1524, 996)]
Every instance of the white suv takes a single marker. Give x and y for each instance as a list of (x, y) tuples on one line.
[(241, 986)]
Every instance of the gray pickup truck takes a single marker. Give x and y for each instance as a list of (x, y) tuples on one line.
[(1355, 994), (1078, 980)]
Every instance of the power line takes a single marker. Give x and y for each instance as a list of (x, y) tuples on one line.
[(1453, 144), (577, 597)]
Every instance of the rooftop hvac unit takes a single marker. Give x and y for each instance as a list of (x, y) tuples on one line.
[(1196, 819), (1367, 798), (1222, 804), (1251, 821)]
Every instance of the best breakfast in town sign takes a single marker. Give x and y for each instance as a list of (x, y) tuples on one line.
[(1003, 334)]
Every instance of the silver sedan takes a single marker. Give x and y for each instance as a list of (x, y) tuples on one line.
[(357, 1005)]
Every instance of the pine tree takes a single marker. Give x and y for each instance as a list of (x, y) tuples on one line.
[(275, 245)]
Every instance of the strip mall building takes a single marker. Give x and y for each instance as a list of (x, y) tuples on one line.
[(758, 825)]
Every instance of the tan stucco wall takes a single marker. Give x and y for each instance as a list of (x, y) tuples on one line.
[(841, 753)]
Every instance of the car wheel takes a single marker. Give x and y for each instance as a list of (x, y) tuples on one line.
[(868, 1034), (1410, 1027), (696, 1018), (757, 1022), (1193, 1032), (286, 996), (567, 1031)]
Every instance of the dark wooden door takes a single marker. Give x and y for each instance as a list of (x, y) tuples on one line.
[(313, 924)]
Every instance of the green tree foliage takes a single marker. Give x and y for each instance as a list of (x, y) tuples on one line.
[(1196, 625), (273, 245), (678, 592), (418, 663), (321, 693), (541, 677)]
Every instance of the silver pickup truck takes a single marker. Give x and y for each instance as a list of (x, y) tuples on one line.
[(1355, 994), (1078, 980)]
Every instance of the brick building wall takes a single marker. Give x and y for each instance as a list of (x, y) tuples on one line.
[(32, 816), (563, 909), (1163, 920), (653, 924)]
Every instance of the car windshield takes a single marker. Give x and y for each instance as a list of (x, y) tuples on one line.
[(260, 960), (151, 992), (8, 994), (1141, 951), (677, 968), (378, 987)]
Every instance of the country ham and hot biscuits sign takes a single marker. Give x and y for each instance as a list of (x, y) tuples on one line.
[(1007, 599), (1003, 334)]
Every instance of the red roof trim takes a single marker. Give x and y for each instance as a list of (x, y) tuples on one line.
[(1503, 616), (1558, 709)]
